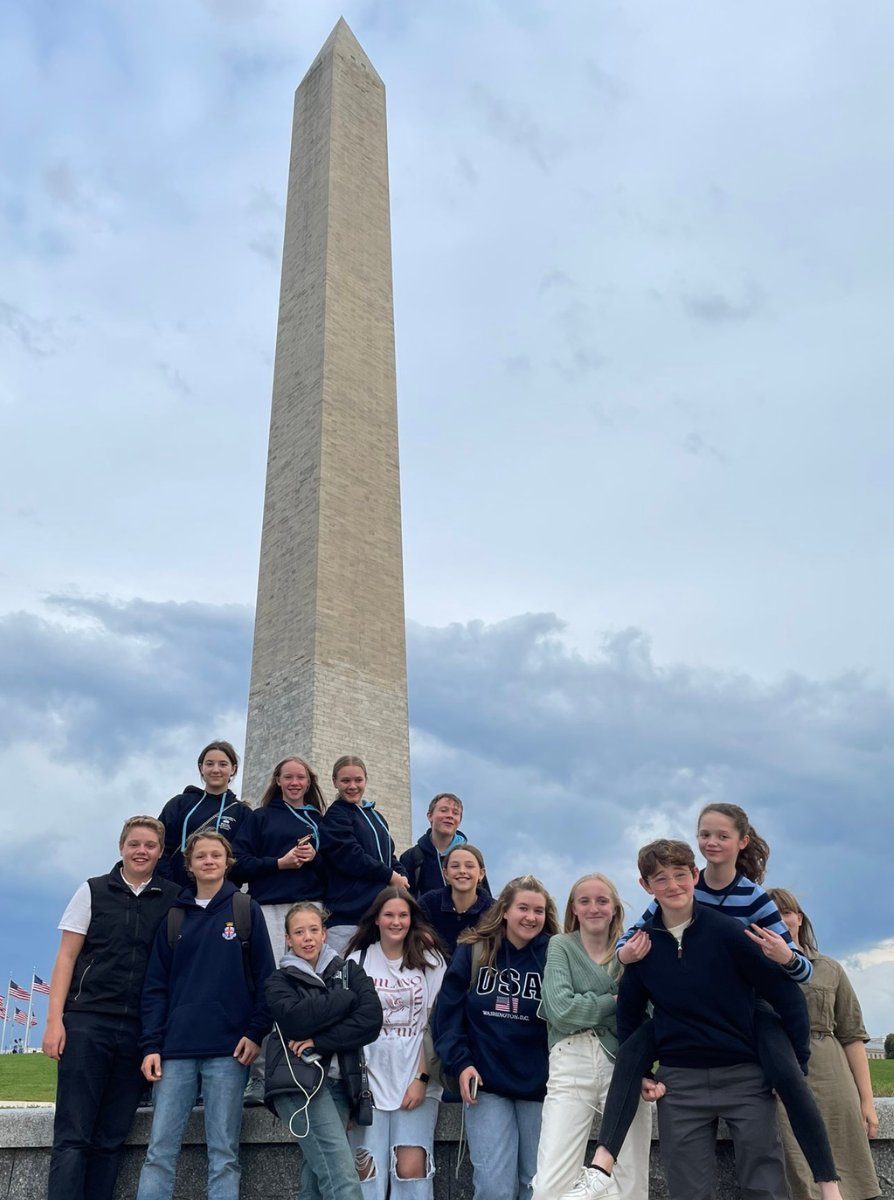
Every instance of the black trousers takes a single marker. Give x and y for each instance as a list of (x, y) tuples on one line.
[(97, 1092), (781, 1071)]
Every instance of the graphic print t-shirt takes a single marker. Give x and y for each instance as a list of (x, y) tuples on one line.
[(406, 995)]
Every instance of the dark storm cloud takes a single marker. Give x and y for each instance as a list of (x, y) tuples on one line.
[(566, 761), (584, 750), (102, 678)]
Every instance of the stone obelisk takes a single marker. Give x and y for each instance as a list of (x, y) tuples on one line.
[(328, 670)]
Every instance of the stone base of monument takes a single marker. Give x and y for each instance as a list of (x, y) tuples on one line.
[(270, 1159)]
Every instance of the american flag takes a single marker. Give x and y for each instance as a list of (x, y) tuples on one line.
[(16, 992), (21, 1018), (2, 1009), (38, 985), (506, 1004)]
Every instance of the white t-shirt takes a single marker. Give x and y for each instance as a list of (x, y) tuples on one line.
[(407, 996), (678, 930), (79, 912)]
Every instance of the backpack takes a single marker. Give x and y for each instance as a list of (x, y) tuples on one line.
[(242, 922), (416, 867)]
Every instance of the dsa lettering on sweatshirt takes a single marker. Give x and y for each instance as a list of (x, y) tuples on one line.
[(508, 988)]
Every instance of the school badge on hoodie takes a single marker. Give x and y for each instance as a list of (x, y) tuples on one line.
[(229, 931)]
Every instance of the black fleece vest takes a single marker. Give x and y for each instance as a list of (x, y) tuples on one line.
[(108, 975)]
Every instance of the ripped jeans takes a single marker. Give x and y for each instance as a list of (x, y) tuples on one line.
[(390, 1129)]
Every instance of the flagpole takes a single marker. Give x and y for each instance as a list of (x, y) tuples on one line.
[(30, 1006), (6, 1018)]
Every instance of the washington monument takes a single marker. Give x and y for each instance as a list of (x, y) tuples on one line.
[(328, 670)]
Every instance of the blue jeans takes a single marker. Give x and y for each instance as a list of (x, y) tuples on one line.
[(503, 1139), (390, 1129), (327, 1170), (223, 1082)]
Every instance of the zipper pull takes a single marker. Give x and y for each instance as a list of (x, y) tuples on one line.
[(679, 950)]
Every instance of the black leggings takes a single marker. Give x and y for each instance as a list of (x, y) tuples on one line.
[(781, 1071)]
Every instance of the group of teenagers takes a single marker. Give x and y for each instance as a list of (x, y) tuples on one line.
[(285, 954)]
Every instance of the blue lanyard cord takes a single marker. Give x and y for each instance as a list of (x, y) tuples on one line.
[(375, 831), (306, 821), (220, 811)]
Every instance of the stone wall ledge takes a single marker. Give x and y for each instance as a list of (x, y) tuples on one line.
[(270, 1158)]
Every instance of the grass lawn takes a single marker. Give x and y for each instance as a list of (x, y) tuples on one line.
[(881, 1071), (27, 1077), (33, 1077)]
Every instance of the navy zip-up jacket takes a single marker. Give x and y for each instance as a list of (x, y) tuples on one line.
[(196, 1000), (263, 838), (445, 920), (494, 1024), (192, 810), (704, 993), (358, 857), (423, 863)]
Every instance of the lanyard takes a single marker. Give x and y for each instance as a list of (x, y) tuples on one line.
[(315, 833), (375, 831), (183, 838)]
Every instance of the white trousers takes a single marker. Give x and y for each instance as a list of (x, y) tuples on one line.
[(579, 1074)]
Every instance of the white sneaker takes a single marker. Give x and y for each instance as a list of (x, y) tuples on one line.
[(592, 1185)]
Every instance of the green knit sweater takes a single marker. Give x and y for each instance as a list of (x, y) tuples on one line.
[(578, 994)]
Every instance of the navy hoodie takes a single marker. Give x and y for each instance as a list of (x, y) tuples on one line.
[(358, 856), (264, 837), (423, 864), (196, 999), (199, 811), (704, 993), (493, 1025), (448, 923)]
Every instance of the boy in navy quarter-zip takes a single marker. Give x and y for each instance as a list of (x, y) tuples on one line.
[(701, 975)]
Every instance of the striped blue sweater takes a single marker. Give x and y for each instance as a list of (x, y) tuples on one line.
[(747, 902)]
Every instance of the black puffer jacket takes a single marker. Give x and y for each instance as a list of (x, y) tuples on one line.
[(339, 1019)]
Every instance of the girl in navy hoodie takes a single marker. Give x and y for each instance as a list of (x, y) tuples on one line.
[(358, 852), (212, 806), (489, 1034), (461, 904), (277, 848), (277, 855), (203, 1014)]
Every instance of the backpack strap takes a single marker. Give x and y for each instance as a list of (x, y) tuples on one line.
[(476, 958), (241, 921)]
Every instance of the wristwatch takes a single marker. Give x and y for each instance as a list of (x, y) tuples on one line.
[(423, 1076)]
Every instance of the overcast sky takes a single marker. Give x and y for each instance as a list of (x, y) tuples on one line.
[(643, 285)]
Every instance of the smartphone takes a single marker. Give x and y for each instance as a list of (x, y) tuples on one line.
[(303, 841), (310, 1055), (473, 1087)]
